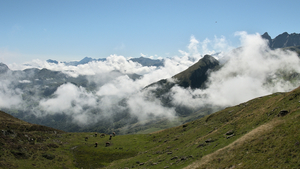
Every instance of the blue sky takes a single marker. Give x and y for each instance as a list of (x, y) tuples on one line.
[(72, 29)]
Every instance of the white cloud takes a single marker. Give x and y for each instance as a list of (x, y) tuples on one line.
[(143, 107), (143, 55), (9, 97), (243, 77), (71, 100), (246, 75)]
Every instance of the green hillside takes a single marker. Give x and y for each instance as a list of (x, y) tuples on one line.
[(261, 133)]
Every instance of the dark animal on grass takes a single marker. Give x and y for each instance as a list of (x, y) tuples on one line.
[(86, 138), (283, 113), (107, 144), (95, 134), (102, 135), (110, 136), (96, 144)]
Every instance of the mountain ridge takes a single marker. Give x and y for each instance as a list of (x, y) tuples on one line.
[(141, 60), (282, 40)]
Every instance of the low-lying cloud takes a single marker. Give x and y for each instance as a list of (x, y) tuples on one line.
[(251, 71)]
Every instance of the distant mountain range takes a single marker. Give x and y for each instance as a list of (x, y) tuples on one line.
[(281, 41), (141, 60), (76, 63)]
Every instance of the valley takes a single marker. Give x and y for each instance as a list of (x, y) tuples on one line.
[(214, 112), (252, 134)]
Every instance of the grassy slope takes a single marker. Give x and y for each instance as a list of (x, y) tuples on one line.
[(261, 140), (25, 145)]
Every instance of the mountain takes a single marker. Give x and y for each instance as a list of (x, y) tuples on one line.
[(141, 60), (76, 63), (260, 133), (196, 75), (84, 61), (52, 61), (294, 49), (283, 40), (148, 62), (3, 68), (38, 84)]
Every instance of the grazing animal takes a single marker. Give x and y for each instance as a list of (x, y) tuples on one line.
[(95, 134), (96, 144), (110, 136), (107, 144), (114, 134), (102, 135), (86, 138)]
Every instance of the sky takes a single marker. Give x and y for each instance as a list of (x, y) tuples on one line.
[(68, 30)]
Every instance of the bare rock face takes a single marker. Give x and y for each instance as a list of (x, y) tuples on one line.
[(283, 40)]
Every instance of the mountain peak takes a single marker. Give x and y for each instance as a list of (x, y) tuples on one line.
[(3, 68), (266, 36), (210, 59), (86, 59), (52, 61), (196, 75)]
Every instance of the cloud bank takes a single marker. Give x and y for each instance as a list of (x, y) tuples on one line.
[(250, 71)]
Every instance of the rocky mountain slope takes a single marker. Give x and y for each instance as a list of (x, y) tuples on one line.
[(283, 40), (195, 76)]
